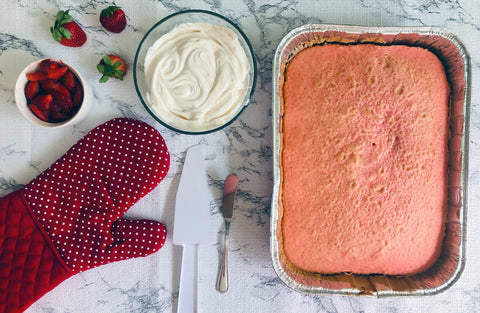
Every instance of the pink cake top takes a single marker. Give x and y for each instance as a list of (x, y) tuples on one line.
[(364, 159)]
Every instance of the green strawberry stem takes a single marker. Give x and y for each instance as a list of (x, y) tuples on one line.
[(109, 11), (58, 31)]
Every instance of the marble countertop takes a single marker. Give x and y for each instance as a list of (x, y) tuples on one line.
[(150, 284)]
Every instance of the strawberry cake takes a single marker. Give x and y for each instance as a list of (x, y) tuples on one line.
[(363, 159)]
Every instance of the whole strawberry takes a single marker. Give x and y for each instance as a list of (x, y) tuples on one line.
[(112, 66), (113, 19), (67, 32)]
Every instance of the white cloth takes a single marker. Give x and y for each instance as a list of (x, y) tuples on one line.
[(151, 284)]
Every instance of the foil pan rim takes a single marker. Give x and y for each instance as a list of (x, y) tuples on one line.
[(277, 63)]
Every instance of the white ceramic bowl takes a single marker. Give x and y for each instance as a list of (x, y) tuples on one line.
[(22, 105)]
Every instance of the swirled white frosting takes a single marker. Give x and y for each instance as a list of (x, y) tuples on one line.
[(197, 76)]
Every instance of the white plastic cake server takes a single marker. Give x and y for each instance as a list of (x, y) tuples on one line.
[(191, 224)]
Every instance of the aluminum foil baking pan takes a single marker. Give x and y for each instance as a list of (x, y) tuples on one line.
[(450, 264)]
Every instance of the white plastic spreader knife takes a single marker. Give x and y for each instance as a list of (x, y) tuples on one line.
[(229, 192)]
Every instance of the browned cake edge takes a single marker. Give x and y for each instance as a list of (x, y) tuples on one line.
[(447, 263)]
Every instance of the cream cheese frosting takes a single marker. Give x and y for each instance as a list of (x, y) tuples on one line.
[(197, 76)]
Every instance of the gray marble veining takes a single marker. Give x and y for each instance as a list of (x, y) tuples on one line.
[(151, 284)]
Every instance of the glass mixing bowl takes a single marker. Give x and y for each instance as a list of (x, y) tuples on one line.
[(166, 25)]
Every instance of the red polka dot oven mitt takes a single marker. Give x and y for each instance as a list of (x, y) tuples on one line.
[(69, 218)]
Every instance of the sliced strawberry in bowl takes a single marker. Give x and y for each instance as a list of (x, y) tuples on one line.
[(48, 64), (52, 69), (32, 88), (44, 66), (77, 96), (65, 103), (42, 102), (43, 115), (68, 80), (57, 117), (57, 73), (33, 77), (50, 84)]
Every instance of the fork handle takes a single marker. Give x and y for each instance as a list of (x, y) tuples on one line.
[(222, 278)]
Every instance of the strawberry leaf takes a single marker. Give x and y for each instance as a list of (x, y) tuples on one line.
[(107, 60), (56, 34), (65, 32), (118, 75), (63, 17), (103, 79), (111, 70), (60, 15), (66, 20)]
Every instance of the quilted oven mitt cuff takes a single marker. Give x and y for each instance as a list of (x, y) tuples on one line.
[(30, 265), (69, 218)]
